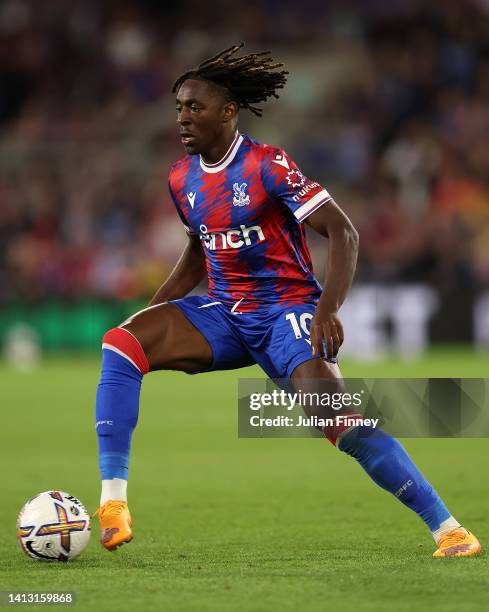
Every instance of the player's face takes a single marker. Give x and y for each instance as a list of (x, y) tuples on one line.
[(202, 116)]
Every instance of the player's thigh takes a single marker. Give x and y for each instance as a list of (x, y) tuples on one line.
[(169, 340), (318, 376), (317, 379)]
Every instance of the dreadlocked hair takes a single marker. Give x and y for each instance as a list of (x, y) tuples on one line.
[(249, 79)]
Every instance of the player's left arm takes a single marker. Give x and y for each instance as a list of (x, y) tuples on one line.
[(331, 222), (311, 203)]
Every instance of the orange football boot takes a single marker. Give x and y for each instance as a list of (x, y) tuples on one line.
[(115, 524), (458, 543)]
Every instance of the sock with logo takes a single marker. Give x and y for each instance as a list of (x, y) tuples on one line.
[(386, 461), (123, 366)]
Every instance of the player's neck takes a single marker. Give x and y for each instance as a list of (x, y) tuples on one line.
[(219, 148)]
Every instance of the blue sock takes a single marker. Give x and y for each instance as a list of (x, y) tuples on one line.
[(116, 412), (388, 464)]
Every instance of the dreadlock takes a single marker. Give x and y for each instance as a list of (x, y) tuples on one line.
[(248, 79)]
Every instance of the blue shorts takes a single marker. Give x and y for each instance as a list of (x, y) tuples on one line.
[(276, 338)]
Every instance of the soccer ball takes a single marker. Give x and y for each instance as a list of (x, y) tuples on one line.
[(53, 526)]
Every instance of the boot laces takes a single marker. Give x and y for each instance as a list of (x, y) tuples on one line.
[(452, 538), (112, 506)]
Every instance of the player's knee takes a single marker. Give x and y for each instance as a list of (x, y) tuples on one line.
[(336, 431), (123, 342)]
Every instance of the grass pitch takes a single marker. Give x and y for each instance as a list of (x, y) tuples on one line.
[(224, 524)]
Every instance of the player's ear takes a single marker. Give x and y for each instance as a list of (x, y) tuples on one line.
[(229, 111)]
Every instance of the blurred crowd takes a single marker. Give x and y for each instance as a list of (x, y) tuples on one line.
[(387, 105)]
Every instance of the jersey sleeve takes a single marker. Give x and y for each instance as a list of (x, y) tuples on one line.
[(179, 210), (284, 181)]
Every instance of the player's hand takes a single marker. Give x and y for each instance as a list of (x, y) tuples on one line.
[(326, 334)]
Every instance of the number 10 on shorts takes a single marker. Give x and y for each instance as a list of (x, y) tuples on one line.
[(301, 326)]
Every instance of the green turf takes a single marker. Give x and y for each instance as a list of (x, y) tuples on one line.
[(223, 524)]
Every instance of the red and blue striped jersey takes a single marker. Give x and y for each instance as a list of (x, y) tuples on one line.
[(248, 210)]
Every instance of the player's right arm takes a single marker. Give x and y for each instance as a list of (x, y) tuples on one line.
[(186, 275), (190, 268)]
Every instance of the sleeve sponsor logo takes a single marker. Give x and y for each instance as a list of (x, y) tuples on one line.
[(295, 178), (305, 190)]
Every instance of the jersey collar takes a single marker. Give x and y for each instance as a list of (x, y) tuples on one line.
[(226, 160)]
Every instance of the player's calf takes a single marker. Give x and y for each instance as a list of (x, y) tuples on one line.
[(124, 364), (388, 464)]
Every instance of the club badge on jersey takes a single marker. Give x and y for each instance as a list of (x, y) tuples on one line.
[(240, 198)]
